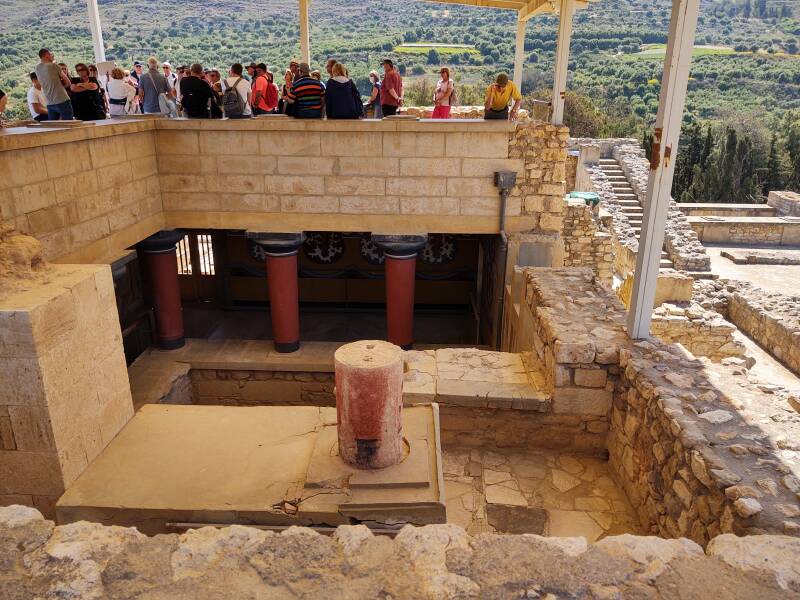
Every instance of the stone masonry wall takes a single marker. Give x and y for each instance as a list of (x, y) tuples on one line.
[(585, 244), (680, 240), (62, 399), (767, 231), (770, 318), (542, 185), (88, 560), (786, 203), (258, 388), (100, 181), (702, 332)]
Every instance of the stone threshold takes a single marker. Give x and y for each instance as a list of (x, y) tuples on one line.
[(468, 377)]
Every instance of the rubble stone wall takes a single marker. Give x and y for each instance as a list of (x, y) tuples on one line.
[(770, 318), (767, 231), (578, 352), (585, 244), (702, 332), (786, 203), (258, 388), (88, 560), (680, 240), (777, 330), (542, 184)]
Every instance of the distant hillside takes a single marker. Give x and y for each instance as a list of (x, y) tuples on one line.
[(759, 72)]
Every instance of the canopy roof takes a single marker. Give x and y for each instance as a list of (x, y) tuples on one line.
[(525, 8)]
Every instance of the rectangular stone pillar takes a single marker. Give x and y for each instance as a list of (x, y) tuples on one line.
[(64, 391)]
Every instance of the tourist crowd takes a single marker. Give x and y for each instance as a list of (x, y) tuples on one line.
[(201, 93)]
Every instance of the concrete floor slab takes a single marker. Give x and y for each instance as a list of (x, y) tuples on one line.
[(216, 464)]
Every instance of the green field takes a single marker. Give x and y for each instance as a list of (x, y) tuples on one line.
[(442, 49), (651, 50)]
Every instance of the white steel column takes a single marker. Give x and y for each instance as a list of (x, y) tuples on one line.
[(665, 149), (519, 53), (562, 59), (97, 31), (305, 47)]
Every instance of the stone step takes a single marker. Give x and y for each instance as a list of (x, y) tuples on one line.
[(666, 264), (608, 161)]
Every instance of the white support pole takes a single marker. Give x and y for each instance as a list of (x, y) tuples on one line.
[(305, 45), (97, 31), (665, 149), (562, 59), (519, 53)]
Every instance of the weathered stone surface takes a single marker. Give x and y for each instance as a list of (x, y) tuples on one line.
[(85, 560)]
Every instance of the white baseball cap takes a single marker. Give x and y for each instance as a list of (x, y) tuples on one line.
[(166, 64)]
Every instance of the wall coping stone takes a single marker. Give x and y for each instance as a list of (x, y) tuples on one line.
[(89, 560)]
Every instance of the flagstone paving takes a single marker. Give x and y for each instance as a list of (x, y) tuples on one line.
[(536, 491)]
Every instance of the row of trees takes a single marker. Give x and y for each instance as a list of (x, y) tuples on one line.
[(731, 162)]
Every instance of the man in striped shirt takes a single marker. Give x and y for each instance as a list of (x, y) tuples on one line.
[(307, 95)]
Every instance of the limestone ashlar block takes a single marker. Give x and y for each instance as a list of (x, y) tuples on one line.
[(477, 145), (229, 142), (63, 398), (427, 145), (21, 167), (415, 205), (416, 186), (65, 159), (107, 151), (314, 165), (582, 401), (424, 167), (298, 143)]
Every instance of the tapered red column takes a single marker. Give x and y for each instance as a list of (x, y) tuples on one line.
[(162, 268), (284, 304), (369, 403), (401, 262)]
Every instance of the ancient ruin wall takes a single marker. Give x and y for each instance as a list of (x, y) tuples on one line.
[(680, 240), (88, 193), (87, 560), (237, 387), (786, 203), (698, 450), (770, 318), (62, 399), (85, 192), (585, 244), (702, 332)]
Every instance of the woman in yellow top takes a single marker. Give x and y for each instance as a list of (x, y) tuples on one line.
[(498, 95)]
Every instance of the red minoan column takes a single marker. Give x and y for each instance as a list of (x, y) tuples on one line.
[(369, 403), (284, 304), (162, 267), (401, 262)]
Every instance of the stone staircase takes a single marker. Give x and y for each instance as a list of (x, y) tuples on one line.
[(631, 207)]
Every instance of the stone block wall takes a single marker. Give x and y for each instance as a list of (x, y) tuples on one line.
[(89, 560), (767, 231), (62, 399), (90, 190), (680, 240), (542, 186), (770, 318), (786, 203), (585, 244), (702, 332)]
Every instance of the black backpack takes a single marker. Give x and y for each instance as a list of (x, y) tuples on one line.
[(232, 102)]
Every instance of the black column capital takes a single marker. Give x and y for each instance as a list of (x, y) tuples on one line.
[(162, 241), (400, 246), (277, 244)]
